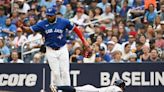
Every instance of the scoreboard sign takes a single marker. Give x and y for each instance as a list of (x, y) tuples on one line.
[(139, 77)]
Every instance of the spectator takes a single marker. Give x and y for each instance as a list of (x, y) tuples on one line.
[(159, 43), (36, 58), (15, 7), (117, 46), (23, 6), (162, 12), (60, 7), (6, 5), (109, 17), (124, 10), (141, 30), (104, 55), (96, 48), (97, 32), (139, 51), (137, 8), (150, 33), (74, 4), (103, 4), (117, 57), (146, 55), (4, 51), (14, 57), (108, 36), (77, 56), (93, 5), (157, 25), (91, 14), (122, 34), (8, 29), (47, 3), (80, 17), (150, 15), (14, 17), (132, 58), (110, 47), (132, 29), (126, 52), (142, 39), (42, 13), (98, 59), (3, 17), (35, 41), (19, 40), (130, 2), (154, 57), (98, 12), (99, 42), (114, 7), (162, 25), (69, 13)]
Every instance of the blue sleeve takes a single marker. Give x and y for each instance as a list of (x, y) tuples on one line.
[(37, 27), (6, 51), (146, 14), (13, 28), (70, 25), (107, 57)]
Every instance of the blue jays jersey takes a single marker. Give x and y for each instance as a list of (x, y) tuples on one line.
[(54, 33)]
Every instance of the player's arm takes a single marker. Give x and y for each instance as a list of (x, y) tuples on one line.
[(81, 36), (35, 28), (27, 29)]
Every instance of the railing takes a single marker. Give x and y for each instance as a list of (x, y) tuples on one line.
[(28, 52)]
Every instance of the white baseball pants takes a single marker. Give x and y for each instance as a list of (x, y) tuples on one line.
[(59, 63)]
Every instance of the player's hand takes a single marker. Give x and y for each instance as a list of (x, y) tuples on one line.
[(87, 52)]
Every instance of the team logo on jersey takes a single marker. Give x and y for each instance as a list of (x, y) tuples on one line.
[(49, 9), (47, 25), (54, 31)]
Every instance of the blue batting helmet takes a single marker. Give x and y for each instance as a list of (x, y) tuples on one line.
[(50, 11)]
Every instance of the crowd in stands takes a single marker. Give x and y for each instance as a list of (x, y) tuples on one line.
[(118, 30)]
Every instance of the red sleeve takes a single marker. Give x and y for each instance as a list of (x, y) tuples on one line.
[(80, 35)]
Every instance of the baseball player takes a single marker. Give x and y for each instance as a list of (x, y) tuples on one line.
[(54, 30), (119, 86)]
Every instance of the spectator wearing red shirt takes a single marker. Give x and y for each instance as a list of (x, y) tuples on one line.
[(159, 43)]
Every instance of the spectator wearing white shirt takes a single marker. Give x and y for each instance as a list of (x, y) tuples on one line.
[(14, 57), (117, 57), (23, 6), (126, 52), (117, 46), (109, 16), (80, 17), (99, 42), (35, 40), (36, 58), (19, 39), (110, 46)]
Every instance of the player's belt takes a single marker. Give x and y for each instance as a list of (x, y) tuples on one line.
[(56, 48)]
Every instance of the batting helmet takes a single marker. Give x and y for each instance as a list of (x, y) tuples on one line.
[(120, 83)]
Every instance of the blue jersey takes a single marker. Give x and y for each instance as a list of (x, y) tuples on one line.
[(54, 33)]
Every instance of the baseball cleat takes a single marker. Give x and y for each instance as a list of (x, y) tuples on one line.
[(53, 88)]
